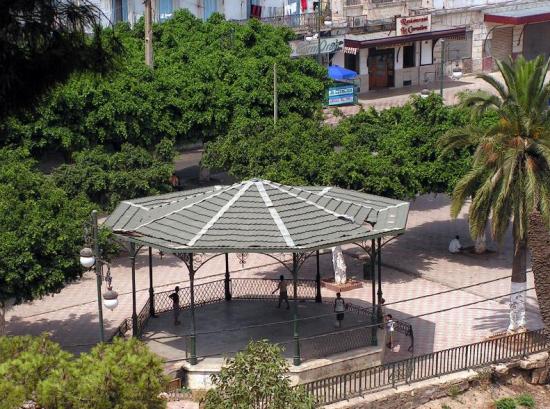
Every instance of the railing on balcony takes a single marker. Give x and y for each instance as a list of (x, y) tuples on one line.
[(366, 25), (354, 2)]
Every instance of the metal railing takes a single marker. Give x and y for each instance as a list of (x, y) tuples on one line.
[(342, 387)]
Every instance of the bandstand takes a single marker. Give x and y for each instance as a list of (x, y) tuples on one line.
[(286, 223)]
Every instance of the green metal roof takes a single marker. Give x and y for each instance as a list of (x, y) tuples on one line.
[(257, 216)]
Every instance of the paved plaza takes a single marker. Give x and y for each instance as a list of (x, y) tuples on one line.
[(416, 264)]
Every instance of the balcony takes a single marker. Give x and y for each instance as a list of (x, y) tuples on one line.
[(298, 22), (352, 3), (360, 24)]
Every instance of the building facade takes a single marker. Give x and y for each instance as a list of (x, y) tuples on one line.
[(389, 43)]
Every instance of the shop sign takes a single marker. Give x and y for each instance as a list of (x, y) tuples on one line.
[(413, 24), (341, 95), (328, 45)]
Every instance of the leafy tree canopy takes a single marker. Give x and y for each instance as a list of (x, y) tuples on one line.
[(392, 153), (40, 230), (206, 74), (42, 42), (121, 375), (256, 377), (106, 178)]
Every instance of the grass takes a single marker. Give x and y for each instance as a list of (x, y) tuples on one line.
[(525, 400), (505, 403)]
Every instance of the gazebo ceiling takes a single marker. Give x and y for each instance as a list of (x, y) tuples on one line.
[(257, 216)]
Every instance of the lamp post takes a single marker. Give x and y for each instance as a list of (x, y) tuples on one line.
[(442, 70), (91, 258), (327, 22)]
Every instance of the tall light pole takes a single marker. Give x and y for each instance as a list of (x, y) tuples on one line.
[(149, 33), (442, 69), (91, 258)]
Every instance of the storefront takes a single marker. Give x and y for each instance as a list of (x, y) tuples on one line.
[(515, 32), (397, 58)]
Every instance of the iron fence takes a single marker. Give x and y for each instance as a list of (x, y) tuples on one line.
[(346, 386), (263, 288)]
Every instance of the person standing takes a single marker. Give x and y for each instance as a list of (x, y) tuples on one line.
[(339, 308), (390, 329), (176, 305), (283, 291)]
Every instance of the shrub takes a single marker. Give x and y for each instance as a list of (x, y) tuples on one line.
[(254, 376), (505, 403), (525, 400)]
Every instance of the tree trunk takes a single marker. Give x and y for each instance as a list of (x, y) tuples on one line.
[(481, 244), (2, 318), (539, 242), (519, 285)]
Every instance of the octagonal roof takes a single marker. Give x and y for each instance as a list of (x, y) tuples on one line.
[(257, 216)]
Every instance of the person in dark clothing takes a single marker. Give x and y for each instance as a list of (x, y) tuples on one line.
[(283, 291), (176, 305)]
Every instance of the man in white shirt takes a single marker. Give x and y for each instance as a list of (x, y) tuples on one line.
[(455, 246)]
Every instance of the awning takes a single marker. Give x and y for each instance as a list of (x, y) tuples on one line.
[(518, 17), (457, 33), (340, 73)]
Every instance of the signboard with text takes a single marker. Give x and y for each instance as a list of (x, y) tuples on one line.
[(342, 95), (328, 45), (413, 24)]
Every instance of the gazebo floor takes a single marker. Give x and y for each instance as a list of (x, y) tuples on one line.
[(231, 325)]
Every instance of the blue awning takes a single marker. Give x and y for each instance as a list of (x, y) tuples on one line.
[(340, 73)]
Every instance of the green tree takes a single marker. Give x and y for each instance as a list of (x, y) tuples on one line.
[(510, 174), (41, 43), (256, 376), (40, 232), (107, 178), (121, 375), (207, 74), (392, 153)]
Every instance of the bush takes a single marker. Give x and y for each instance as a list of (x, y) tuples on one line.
[(121, 375), (256, 375), (505, 403), (107, 178), (525, 400)]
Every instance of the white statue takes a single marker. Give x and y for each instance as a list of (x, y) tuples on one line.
[(339, 265)]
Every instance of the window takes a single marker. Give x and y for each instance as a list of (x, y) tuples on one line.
[(408, 56)]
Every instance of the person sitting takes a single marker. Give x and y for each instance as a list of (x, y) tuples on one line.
[(175, 181), (455, 246)]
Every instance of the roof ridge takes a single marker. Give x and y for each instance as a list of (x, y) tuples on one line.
[(219, 192), (339, 215), (274, 214), (219, 214)]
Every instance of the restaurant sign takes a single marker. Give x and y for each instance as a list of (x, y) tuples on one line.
[(413, 24), (342, 95), (328, 45)]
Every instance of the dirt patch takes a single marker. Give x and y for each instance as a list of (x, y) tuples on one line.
[(484, 396)]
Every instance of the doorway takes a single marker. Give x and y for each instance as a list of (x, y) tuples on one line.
[(381, 67)]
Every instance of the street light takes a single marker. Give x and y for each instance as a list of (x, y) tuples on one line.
[(89, 257)]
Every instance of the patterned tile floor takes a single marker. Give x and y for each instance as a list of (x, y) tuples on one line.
[(420, 265)]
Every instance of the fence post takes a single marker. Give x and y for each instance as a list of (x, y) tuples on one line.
[(393, 375), (525, 340)]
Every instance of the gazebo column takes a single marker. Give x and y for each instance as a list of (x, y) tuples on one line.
[(135, 331), (227, 281), (379, 256), (297, 359), (374, 334), (318, 280), (151, 288), (193, 336)]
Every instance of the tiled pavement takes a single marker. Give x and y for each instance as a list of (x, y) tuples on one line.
[(71, 315)]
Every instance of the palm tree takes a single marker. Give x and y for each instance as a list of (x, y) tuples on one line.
[(539, 243), (510, 174)]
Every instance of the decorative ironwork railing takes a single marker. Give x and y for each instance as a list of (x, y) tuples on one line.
[(342, 387), (262, 288)]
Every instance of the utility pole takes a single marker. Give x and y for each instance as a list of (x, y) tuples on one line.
[(275, 96), (319, 16), (149, 33), (442, 70), (98, 274)]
